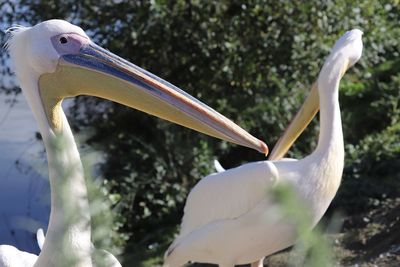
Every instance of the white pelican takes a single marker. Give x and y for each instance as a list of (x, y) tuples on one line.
[(55, 60), (229, 218)]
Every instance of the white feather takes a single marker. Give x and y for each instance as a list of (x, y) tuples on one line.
[(40, 238), (218, 167)]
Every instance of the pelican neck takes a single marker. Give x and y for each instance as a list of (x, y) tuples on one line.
[(331, 134), (69, 229)]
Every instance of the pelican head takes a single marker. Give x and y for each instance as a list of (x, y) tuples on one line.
[(55, 60), (349, 45)]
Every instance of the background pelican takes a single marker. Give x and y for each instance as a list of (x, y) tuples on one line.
[(229, 219), (54, 60)]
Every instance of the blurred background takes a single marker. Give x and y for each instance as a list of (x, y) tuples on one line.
[(253, 61)]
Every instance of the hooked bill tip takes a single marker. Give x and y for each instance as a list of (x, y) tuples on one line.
[(264, 148)]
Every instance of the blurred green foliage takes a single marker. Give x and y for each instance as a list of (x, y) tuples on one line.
[(254, 62), (313, 248)]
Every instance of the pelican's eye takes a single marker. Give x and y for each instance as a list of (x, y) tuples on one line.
[(69, 43), (63, 40)]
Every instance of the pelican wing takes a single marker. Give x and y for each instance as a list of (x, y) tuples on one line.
[(228, 194), (12, 257)]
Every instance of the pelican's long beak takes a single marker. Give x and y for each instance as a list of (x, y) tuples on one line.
[(97, 72), (303, 117)]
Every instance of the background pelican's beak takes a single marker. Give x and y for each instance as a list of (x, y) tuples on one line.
[(300, 122), (303, 117), (97, 72)]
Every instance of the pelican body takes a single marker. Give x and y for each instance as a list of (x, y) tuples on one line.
[(229, 217), (54, 60)]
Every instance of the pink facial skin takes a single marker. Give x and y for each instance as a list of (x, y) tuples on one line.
[(69, 43)]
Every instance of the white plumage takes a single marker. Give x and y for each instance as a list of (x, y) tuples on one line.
[(218, 167), (230, 218), (10, 256)]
